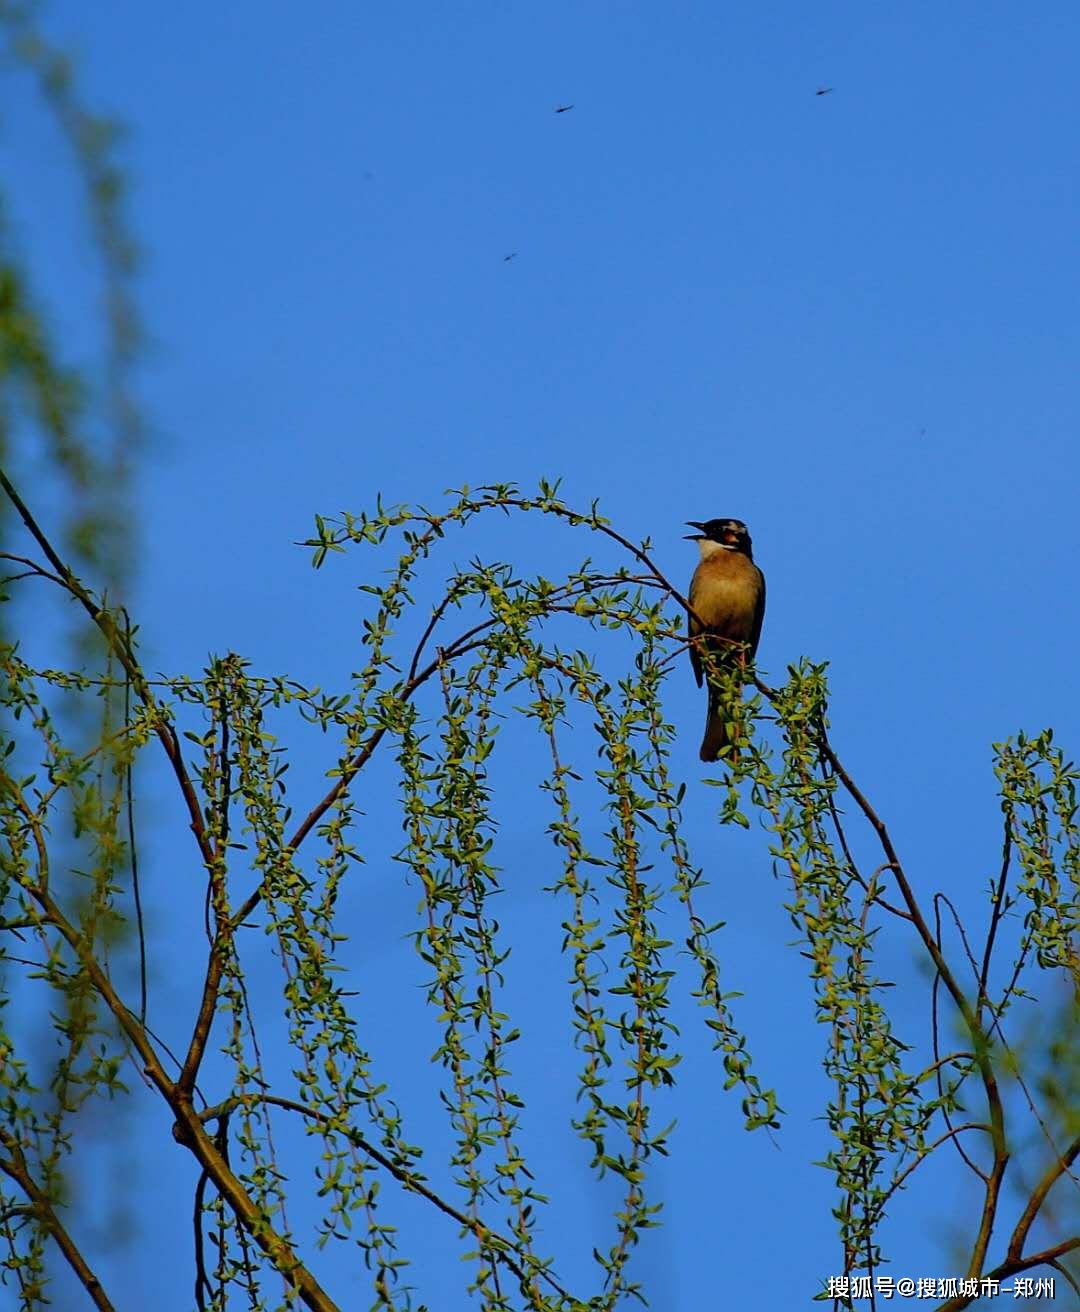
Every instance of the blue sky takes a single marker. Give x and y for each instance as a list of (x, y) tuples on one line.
[(848, 319)]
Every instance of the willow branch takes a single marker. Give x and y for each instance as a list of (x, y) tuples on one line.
[(188, 1129), (898, 1183), (1013, 1267), (995, 916), (1053, 1173), (103, 621), (15, 1166), (971, 1020), (501, 1247)]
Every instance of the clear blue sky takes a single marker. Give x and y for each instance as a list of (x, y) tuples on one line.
[(849, 319)]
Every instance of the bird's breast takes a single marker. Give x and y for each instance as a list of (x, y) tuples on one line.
[(725, 591)]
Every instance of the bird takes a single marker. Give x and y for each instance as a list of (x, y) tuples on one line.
[(823, 91), (511, 256), (562, 109), (727, 596)]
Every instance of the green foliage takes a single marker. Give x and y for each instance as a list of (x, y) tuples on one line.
[(1038, 797), (436, 686), (582, 661), (77, 418)]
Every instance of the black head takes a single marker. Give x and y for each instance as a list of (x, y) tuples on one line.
[(731, 534)]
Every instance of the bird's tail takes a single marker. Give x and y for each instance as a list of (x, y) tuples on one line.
[(719, 732)]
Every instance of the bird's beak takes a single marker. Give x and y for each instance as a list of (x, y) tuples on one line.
[(693, 537)]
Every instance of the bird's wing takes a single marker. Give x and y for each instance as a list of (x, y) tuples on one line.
[(759, 616), (694, 628)]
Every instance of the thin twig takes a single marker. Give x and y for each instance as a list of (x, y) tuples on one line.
[(133, 850), (104, 622), (985, 1065), (941, 897), (995, 915), (939, 1078), (949, 1134), (501, 1247), (188, 1128)]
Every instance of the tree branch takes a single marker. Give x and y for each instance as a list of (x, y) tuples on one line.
[(16, 1167), (105, 624), (1048, 1257), (995, 915), (1053, 1173), (501, 1247), (188, 1129)]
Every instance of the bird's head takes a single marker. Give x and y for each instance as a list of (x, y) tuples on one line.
[(727, 534)]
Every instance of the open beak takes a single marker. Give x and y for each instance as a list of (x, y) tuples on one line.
[(693, 537)]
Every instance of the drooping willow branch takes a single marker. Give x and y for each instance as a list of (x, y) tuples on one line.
[(877, 1111)]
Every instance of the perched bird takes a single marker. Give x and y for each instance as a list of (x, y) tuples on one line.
[(727, 594)]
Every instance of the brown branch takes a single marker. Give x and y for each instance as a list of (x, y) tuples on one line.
[(216, 898), (1036, 1114), (834, 813), (1051, 1176), (1057, 1266), (995, 915), (500, 1247), (188, 1129), (1047, 1257), (459, 647), (33, 570), (204, 1019), (41, 1207), (944, 1061), (936, 1040), (16, 1167), (946, 901), (35, 825), (940, 1081), (950, 1134), (563, 512), (107, 627), (353, 767), (1010, 1267), (906, 891), (415, 678), (991, 1197), (436, 616), (971, 1020)]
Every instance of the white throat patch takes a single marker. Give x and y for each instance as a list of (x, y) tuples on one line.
[(708, 548)]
